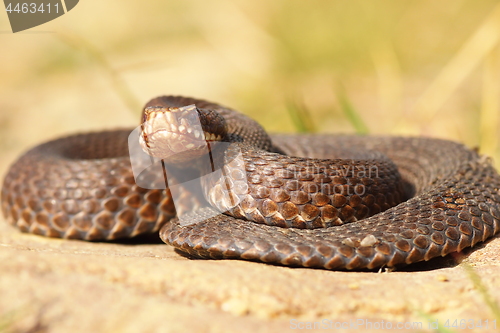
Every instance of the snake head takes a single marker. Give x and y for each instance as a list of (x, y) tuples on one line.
[(179, 134)]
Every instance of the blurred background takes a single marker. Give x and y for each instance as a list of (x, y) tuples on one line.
[(379, 67)]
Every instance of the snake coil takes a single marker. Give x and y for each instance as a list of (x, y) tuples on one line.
[(428, 197)]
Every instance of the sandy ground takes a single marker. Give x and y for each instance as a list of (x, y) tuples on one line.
[(59, 286)]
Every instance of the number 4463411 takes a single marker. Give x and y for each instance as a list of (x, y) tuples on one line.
[(32, 8)]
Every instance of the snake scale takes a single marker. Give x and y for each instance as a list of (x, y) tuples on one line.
[(306, 200)]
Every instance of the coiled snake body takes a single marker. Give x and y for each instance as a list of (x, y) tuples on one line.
[(297, 211)]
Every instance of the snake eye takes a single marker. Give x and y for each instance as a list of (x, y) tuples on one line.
[(145, 114)]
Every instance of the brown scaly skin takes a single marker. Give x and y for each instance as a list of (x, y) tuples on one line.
[(82, 187), (456, 205)]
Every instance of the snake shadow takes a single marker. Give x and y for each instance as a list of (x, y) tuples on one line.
[(151, 239)]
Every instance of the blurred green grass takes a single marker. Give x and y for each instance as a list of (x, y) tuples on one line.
[(413, 68)]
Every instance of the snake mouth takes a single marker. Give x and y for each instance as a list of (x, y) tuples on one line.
[(168, 131)]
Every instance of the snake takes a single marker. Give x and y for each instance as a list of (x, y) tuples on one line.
[(338, 202)]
